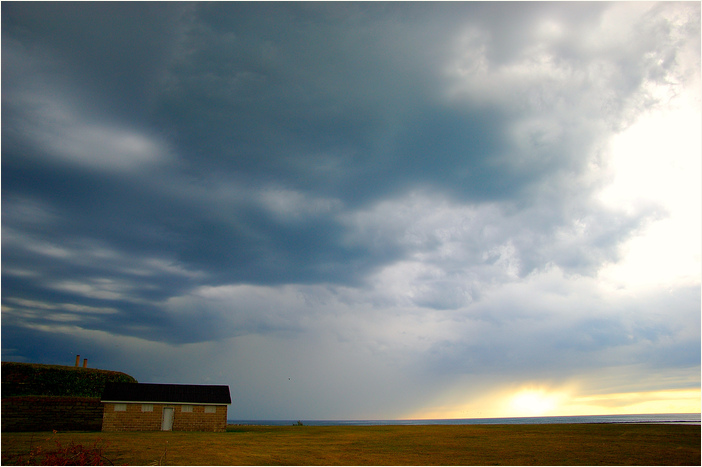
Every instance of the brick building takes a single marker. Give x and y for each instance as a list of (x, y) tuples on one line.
[(164, 407)]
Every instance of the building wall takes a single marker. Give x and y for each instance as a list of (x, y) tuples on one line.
[(133, 419), (47, 413)]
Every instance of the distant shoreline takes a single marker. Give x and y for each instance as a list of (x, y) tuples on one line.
[(668, 419)]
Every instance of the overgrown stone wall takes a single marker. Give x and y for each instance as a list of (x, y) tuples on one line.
[(47, 413), (38, 397), (34, 379)]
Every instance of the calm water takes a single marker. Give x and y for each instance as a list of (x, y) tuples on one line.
[(684, 418)]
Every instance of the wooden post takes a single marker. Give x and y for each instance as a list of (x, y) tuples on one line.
[(85, 363), (77, 360)]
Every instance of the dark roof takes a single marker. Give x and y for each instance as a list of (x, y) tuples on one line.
[(171, 393)]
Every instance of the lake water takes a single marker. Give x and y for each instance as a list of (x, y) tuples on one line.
[(685, 418)]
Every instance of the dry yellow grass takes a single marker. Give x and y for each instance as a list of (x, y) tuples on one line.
[(576, 444)]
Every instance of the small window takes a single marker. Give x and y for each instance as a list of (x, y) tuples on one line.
[(147, 407), (210, 409), (187, 408), (120, 407)]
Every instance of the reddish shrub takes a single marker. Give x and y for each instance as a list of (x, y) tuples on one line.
[(72, 454)]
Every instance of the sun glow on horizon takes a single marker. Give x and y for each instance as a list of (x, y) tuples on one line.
[(535, 401)]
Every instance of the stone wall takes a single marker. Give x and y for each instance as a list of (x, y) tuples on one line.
[(134, 419), (47, 413)]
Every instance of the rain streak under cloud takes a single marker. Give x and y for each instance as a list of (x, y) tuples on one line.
[(359, 210)]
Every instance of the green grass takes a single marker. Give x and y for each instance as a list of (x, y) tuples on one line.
[(574, 444)]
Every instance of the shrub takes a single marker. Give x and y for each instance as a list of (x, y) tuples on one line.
[(72, 454)]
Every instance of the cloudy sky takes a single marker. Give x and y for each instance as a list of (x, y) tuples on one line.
[(359, 210)]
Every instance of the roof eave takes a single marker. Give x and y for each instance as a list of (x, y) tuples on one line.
[(164, 402)]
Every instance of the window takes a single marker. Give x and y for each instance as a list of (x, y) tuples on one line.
[(210, 409), (120, 407), (147, 407), (186, 408)]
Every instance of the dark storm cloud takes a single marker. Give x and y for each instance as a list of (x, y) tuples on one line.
[(114, 51), (296, 95), (344, 100), (335, 103)]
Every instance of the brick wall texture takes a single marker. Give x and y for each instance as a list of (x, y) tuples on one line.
[(47, 413), (133, 419)]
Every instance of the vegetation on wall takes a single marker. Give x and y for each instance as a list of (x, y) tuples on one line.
[(33, 379)]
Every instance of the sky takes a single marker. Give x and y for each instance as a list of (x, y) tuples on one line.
[(359, 210)]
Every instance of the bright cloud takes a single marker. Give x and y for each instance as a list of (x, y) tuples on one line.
[(657, 161)]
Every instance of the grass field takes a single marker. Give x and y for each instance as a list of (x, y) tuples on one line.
[(574, 444)]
